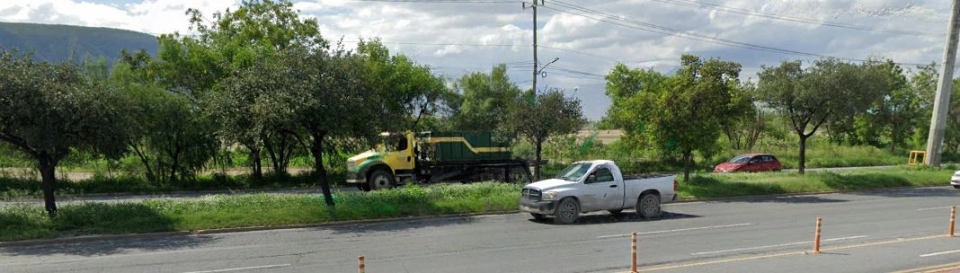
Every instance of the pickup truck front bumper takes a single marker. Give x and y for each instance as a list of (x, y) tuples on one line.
[(539, 207)]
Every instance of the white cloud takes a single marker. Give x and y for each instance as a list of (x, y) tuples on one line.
[(457, 38)]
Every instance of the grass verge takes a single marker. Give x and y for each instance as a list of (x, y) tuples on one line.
[(705, 186), (21, 222)]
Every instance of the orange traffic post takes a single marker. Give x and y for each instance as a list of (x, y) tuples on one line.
[(953, 218), (816, 237), (633, 253), (362, 269)]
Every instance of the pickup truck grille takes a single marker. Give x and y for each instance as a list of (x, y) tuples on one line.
[(531, 194)]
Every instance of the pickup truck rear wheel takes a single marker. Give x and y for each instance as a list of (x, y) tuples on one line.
[(568, 210), (649, 206)]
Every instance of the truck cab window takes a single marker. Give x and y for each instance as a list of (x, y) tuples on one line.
[(604, 175), (401, 143)]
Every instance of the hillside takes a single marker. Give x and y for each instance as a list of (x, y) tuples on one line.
[(62, 42)]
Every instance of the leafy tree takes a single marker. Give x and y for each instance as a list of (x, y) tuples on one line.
[(746, 122), (688, 114), (322, 85), (895, 112), (232, 41), (485, 99), (810, 98), (551, 114), (951, 140), (630, 90), (48, 110), (410, 92)]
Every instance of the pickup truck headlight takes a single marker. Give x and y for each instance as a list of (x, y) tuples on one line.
[(549, 195)]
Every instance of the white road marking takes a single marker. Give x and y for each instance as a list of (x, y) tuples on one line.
[(774, 246), (241, 268), (939, 253), (923, 209), (673, 230)]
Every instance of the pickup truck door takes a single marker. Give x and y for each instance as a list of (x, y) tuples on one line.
[(606, 191)]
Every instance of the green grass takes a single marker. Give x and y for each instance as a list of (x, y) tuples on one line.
[(20, 222), (747, 184)]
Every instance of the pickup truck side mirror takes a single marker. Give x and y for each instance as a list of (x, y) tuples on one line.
[(591, 178)]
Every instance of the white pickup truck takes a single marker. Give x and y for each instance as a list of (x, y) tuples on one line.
[(596, 185)]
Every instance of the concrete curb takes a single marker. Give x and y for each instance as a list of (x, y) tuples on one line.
[(135, 236)]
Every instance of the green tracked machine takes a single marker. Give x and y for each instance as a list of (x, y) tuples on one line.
[(431, 157)]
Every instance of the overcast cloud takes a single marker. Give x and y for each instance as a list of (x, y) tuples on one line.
[(588, 37)]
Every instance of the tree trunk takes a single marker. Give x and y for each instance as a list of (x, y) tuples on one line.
[(803, 153), (48, 167), (175, 165), (146, 164), (257, 162), (536, 166), (316, 148)]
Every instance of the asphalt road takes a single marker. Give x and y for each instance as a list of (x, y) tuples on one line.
[(877, 231)]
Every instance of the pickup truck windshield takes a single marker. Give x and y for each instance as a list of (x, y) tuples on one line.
[(574, 172)]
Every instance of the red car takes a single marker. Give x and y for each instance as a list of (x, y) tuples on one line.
[(755, 162)]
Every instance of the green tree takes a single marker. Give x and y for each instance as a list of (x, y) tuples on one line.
[(629, 91), (551, 114), (810, 98), (688, 114), (48, 110), (485, 99), (746, 122), (895, 113), (230, 42), (409, 92), (327, 98)]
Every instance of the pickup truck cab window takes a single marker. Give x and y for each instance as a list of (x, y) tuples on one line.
[(603, 174)]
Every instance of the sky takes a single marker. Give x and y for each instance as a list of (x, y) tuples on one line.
[(585, 37)]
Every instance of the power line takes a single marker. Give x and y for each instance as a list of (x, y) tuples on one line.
[(698, 4), (638, 25), (437, 1)]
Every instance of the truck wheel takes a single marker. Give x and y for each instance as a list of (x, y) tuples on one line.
[(381, 179), (568, 210), (648, 206)]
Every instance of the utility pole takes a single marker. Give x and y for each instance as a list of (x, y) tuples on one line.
[(941, 103), (536, 70)]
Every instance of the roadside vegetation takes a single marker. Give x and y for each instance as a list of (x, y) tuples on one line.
[(26, 221)]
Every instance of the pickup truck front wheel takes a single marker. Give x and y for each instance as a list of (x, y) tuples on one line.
[(568, 210), (649, 206)]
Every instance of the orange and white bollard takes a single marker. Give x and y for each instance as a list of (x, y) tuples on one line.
[(816, 237), (362, 267), (953, 218), (633, 253)]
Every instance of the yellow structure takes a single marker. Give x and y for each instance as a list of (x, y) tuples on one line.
[(917, 157)]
